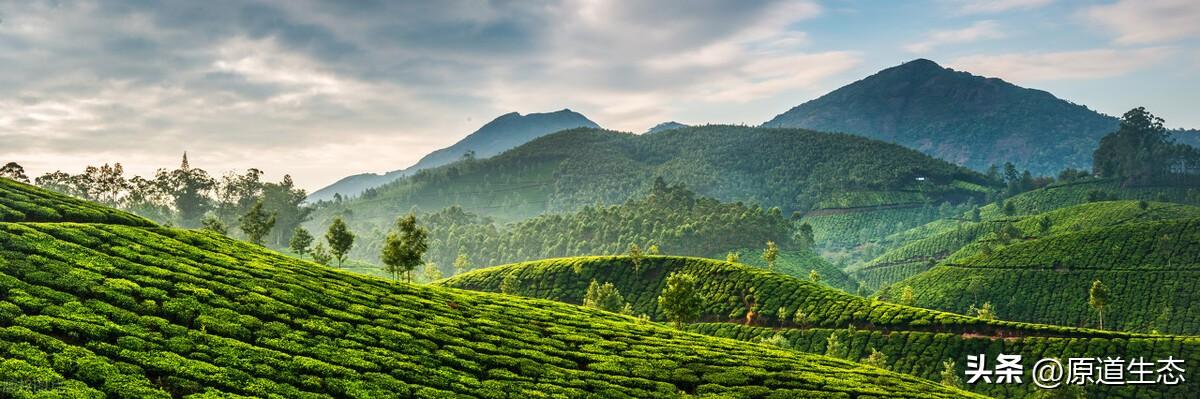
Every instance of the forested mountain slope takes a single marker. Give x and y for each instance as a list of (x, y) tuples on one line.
[(504, 132), (103, 310), (970, 120), (1150, 269), (795, 170), (912, 340)]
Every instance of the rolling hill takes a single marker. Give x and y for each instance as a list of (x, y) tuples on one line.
[(970, 120), (795, 170), (913, 340), (1150, 268), (135, 311), (921, 254), (504, 132)]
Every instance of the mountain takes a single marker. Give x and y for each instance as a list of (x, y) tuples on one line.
[(792, 169), (967, 119), (96, 310), (505, 132), (665, 126)]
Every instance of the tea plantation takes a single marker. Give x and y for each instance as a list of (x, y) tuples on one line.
[(1150, 268), (727, 288), (941, 240), (91, 310), (25, 203), (913, 340)]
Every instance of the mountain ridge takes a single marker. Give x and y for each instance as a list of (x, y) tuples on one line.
[(502, 133)]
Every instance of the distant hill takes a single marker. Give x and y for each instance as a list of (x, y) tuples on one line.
[(505, 132), (967, 119), (665, 126), (792, 169)]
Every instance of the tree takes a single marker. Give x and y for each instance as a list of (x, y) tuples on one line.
[(1098, 298), (461, 264), (1010, 209), (906, 296), (950, 376), (211, 223), (285, 200), (733, 257), (653, 250), (340, 240), (321, 255), (431, 272), (188, 187), (603, 297), (986, 312), (635, 256), (1044, 224), (14, 171), (300, 241), (679, 300), (770, 255), (257, 223), (804, 236), (1139, 151), (814, 276), (833, 345), (509, 285), (404, 247), (876, 358)]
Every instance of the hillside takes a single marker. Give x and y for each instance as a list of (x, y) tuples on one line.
[(151, 312), (504, 132), (665, 126), (1149, 267), (914, 341), (795, 170), (941, 241), (25, 203), (969, 120), (671, 218)]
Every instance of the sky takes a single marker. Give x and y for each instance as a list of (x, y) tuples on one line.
[(325, 89)]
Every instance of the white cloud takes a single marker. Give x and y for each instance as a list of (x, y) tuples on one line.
[(1085, 64), (1148, 21), (995, 6), (982, 30)]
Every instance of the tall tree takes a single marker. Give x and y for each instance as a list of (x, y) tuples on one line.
[(300, 241), (804, 236), (189, 188), (286, 201), (340, 240), (679, 300), (462, 264), (257, 223), (636, 256), (604, 297), (1098, 299), (14, 171), (770, 255), (404, 247), (1140, 151)]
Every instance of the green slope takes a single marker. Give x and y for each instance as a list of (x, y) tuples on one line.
[(793, 169), (25, 203), (918, 249), (103, 310), (1152, 269), (916, 341), (725, 286), (799, 264)]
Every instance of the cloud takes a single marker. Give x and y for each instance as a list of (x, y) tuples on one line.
[(1148, 21), (981, 30), (369, 86), (995, 6), (1085, 64)]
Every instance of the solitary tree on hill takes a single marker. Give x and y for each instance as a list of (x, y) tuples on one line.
[(814, 276), (213, 224), (257, 223), (403, 249), (804, 236), (340, 240), (320, 254), (636, 256), (679, 299), (770, 255), (604, 297), (300, 241), (1098, 298), (732, 257)]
